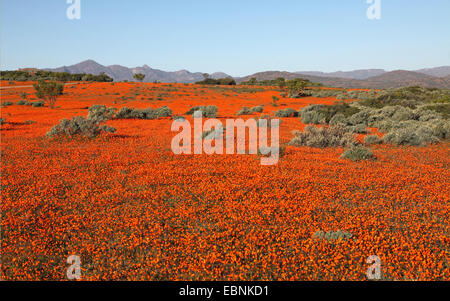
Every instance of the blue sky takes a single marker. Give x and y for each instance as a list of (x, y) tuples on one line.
[(238, 37)]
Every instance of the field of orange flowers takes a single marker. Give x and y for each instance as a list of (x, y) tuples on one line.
[(132, 210)]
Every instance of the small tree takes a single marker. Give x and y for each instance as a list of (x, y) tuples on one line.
[(206, 75), (48, 91), (297, 87), (139, 77)]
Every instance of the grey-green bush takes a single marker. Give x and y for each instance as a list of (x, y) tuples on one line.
[(78, 126), (359, 129), (207, 111), (312, 115), (441, 129), (411, 133), (132, 113), (257, 109), (338, 120), (372, 139), (324, 137), (37, 104), (22, 102), (100, 113), (357, 153), (286, 113), (333, 235), (244, 111)]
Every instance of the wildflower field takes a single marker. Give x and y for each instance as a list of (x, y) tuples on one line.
[(133, 210)]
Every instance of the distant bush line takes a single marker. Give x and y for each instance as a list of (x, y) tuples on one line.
[(49, 75), (91, 126), (227, 81)]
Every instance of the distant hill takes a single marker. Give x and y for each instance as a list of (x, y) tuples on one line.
[(369, 73), (364, 78), (356, 74), (394, 79), (120, 73), (438, 71), (218, 75), (401, 78)]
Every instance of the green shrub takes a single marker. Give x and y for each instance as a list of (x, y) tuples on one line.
[(78, 126), (361, 117), (324, 137), (339, 120), (162, 112), (338, 108), (178, 118), (372, 139), (257, 109), (443, 108), (358, 153), (441, 99), (149, 114), (312, 114), (125, 113), (100, 113), (322, 114), (244, 111), (333, 235), (247, 111), (48, 91), (312, 117), (407, 97), (441, 129), (227, 81), (359, 129), (286, 113), (411, 133), (7, 104), (37, 104), (207, 111), (425, 115), (2, 121), (22, 102), (275, 101)]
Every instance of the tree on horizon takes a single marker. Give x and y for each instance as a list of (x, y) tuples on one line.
[(139, 77)]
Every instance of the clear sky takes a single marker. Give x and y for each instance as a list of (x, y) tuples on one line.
[(238, 37)]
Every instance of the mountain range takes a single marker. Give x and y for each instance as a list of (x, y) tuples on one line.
[(121, 73), (366, 78)]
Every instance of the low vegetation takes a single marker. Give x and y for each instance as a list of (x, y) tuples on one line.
[(357, 153), (249, 111), (78, 126), (227, 81), (288, 112), (48, 91), (323, 137), (207, 111), (36, 75), (333, 235), (132, 113)]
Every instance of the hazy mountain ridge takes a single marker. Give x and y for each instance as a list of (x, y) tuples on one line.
[(364, 78), (121, 73), (355, 74), (393, 79), (363, 74), (443, 71)]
